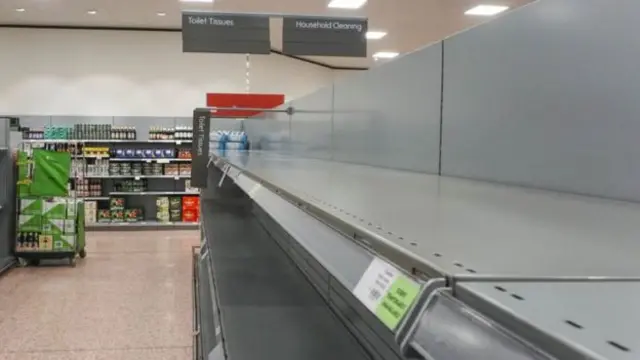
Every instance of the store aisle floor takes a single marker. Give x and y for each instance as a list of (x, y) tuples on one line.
[(129, 299)]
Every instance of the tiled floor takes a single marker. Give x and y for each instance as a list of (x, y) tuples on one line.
[(129, 299)]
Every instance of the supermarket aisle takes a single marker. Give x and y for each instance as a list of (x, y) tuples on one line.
[(130, 299)]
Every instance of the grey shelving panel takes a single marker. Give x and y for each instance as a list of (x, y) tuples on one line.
[(267, 307), (567, 261), (458, 226), (593, 320)]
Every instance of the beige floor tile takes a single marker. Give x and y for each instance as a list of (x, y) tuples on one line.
[(132, 354), (111, 300)]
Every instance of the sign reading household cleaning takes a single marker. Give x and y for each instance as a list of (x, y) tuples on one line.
[(324, 36), (225, 33)]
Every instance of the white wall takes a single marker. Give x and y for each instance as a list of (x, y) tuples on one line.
[(122, 73)]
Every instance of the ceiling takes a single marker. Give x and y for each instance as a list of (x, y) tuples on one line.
[(410, 24)]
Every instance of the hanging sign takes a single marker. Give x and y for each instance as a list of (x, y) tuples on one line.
[(324, 36), (208, 32)]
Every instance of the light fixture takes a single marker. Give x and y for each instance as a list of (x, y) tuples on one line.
[(385, 55), (376, 35), (92, 12), (347, 4), (486, 10), (161, 14), (196, 1), (21, 10)]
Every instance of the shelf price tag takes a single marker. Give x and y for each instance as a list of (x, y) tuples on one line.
[(163, 161), (178, 142), (386, 292), (137, 178)]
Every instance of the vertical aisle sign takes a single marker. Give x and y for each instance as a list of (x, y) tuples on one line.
[(386, 292), (200, 148), (209, 32), (324, 36)]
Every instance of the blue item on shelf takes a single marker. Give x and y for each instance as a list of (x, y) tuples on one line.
[(139, 153)]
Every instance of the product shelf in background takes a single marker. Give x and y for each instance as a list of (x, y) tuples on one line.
[(141, 193), (137, 177), (149, 160), (141, 224), (74, 141)]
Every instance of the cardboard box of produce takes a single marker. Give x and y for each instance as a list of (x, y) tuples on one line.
[(30, 223), (64, 242), (45, 242), (31, 206), (55, 208)]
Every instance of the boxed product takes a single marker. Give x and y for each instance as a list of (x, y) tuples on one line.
[(133, 215), (55, 208), (162, 209), (90, 212), (64, 242), (171, 169), (175, 202), (117, 215), (30, 223), (31, 206), (169, 153), (185, 169), (53, 226), (175, 215), (45, 242), (190, 216), (72, 209), (190, 202), (104, 216), (116, 203)]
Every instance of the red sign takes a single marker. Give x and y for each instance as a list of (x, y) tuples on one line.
[(254, 101)]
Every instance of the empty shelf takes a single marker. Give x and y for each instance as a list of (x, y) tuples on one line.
[(461, 226)]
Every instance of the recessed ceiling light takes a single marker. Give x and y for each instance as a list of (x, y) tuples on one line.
[(347, 4), (486, 10), (21, 10), (385, 55), (376, 35), (162, 14), (92, 12)]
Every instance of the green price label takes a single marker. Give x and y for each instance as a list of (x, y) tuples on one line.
[(397, 301)]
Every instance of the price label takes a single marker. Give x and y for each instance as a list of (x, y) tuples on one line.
[(148, 161), (386, 292), (178, 142), (177, 178), (137, 178), (163, 161)]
